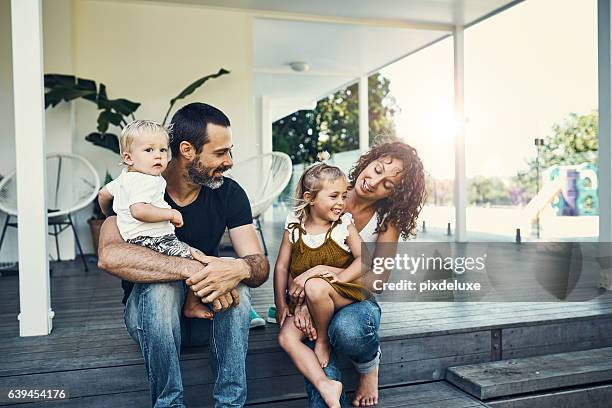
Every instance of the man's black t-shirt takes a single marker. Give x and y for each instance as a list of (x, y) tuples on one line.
[(206, 219)]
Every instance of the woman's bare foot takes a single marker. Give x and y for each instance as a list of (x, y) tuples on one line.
[(330, 391), (366, 394), (322, 351), (197, 311)]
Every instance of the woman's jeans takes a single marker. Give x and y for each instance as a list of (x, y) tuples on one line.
[(153, 317), (353, 331)]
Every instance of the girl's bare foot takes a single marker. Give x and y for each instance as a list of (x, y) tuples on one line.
[(366, 394), (322, 351), (330, 391), (197, 311)]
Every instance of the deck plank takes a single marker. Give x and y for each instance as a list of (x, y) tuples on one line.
[(533, 374)]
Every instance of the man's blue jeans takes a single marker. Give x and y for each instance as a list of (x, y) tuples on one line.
[(353, 331), (153, 317)]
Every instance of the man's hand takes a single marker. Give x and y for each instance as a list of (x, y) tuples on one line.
[(303, 322), (226, 301), (218, 277)]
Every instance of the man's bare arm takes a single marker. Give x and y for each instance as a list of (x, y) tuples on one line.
[(138, 264), (246, 244)]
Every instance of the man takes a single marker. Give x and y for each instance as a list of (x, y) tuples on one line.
[(209, 203)]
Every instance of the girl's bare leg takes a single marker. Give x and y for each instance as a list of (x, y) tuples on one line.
[(323, 301), (290, 339), (194, 308)]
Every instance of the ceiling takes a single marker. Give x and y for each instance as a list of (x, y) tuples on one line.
[(341, 40), (461, 12)]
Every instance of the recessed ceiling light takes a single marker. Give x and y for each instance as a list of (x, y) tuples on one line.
[(299, 66)]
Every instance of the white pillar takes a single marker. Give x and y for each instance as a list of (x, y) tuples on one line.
[(604, 35), (266, 141), (35, 315), (266, 125), (364, 115), (460, 179)]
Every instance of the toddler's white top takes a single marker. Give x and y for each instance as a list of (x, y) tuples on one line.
[(132, 187)]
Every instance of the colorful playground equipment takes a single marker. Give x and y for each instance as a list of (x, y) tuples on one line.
[(579, 189), (567, 191)]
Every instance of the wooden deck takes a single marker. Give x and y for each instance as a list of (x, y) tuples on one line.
[(90, 355)]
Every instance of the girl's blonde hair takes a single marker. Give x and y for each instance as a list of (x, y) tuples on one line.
[(312, 181)]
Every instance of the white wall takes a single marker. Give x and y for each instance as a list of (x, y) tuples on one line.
[(144, 52), (148, 53)]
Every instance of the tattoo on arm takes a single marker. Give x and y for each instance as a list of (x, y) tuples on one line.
[(260, 269)]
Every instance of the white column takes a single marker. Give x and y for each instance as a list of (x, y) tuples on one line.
[(460, 179), (34, 296), (364, 115), (266, 125), (605, 129), (266, 141)]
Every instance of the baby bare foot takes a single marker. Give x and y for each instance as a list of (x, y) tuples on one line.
[(322, 351), (197, 311), (331, 391), (366, 394)]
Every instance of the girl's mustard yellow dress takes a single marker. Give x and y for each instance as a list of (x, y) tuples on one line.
[(330, 253)]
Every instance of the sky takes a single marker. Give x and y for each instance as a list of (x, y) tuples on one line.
[(526, 69)]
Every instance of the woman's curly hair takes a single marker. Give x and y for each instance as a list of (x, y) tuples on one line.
[(403, 206)]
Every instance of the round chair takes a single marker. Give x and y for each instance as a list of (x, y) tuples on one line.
[(263, 178), (72, 184)]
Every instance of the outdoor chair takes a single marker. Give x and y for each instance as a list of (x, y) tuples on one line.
[(263, 178), (72, 183)]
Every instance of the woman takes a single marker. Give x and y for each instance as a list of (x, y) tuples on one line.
[(385, 198)]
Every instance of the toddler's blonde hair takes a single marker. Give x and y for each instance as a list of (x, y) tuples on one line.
[(137, 128)]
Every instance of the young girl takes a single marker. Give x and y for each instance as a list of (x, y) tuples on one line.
[(137, 197), (317, 234)]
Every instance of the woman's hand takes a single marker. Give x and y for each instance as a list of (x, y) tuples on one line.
[(303, 322), (282, 312)]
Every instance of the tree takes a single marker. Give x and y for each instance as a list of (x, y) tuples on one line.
[(487, 191), (574, 141), (334, 123)]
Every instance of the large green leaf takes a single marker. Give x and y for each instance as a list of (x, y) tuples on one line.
[(52, 80), (88, 84), (124, 106), (121, 106), (102, 98), (60, 93), (64, 88), (107, 140), (192, 88), (106, 118)]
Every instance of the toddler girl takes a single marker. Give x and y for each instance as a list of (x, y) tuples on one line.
[(317, 233)]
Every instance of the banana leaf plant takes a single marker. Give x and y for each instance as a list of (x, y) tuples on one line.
[(117, 112)]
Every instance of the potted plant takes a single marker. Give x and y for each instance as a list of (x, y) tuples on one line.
[(117, 112)]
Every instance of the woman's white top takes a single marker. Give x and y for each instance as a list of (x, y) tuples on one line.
[(132, 187), (367, 233), (338, 234)]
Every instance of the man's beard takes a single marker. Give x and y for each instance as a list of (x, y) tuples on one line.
[(202, 175)]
